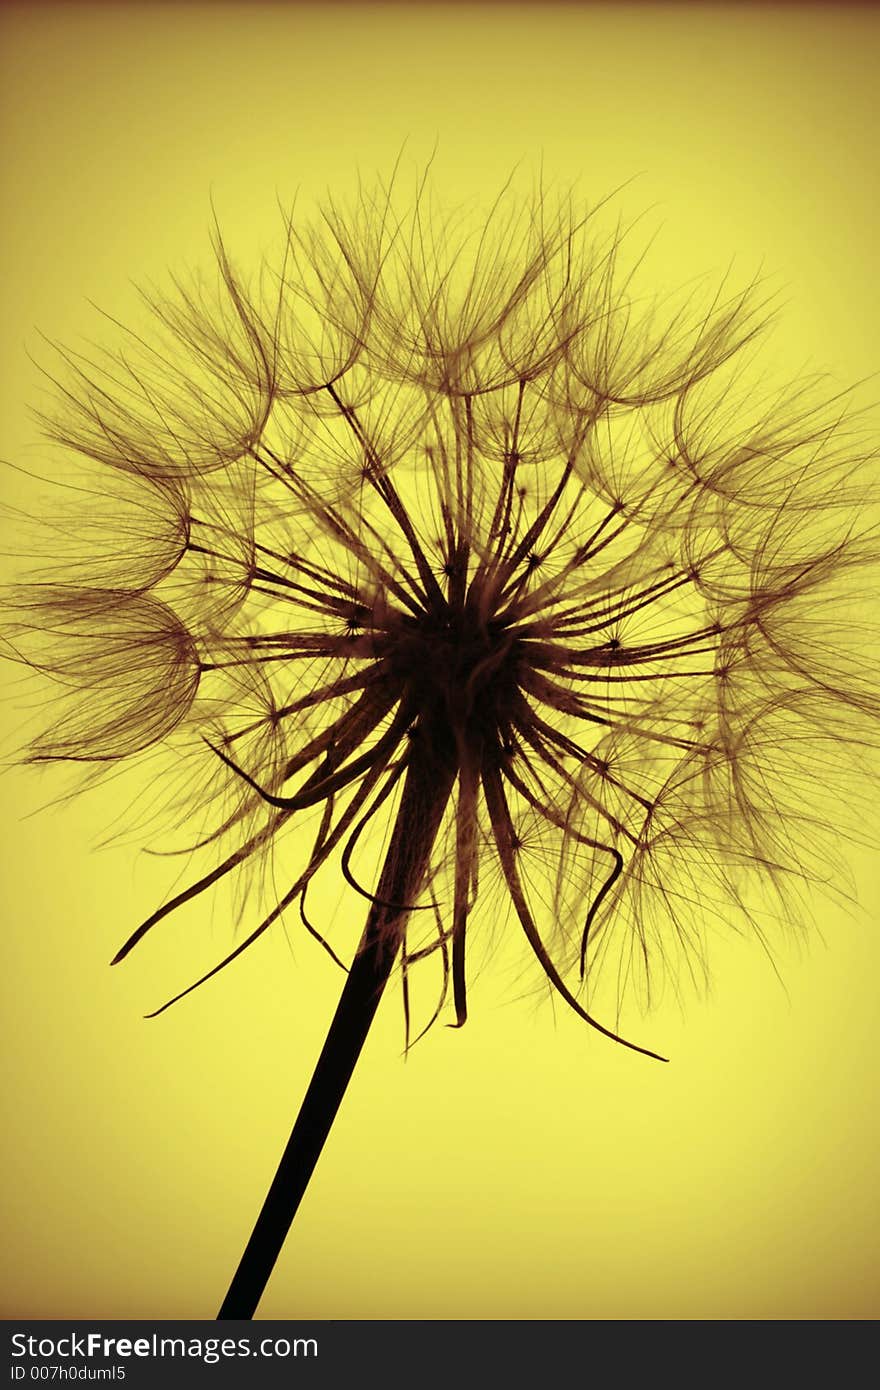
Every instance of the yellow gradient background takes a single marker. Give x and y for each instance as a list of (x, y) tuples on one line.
[(522, 1168)]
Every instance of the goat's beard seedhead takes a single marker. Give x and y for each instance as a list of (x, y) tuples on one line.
[(457, 506)]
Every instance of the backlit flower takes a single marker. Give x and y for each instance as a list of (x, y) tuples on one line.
[(468, 542)]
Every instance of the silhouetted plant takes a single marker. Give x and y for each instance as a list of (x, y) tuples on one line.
[(439, 527)]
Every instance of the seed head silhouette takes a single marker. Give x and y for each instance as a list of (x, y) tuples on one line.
[(436, 528)]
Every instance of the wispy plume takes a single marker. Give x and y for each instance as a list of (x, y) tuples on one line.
[(439, 529)]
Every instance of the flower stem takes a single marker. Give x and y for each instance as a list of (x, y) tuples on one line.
[(427, 788)]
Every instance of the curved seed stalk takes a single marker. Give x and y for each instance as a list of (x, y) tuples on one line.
[(426, 791)]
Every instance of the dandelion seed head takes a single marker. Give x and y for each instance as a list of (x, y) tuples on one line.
[(449, 502)]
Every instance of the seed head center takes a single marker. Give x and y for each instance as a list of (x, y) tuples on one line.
[(459, 667)]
